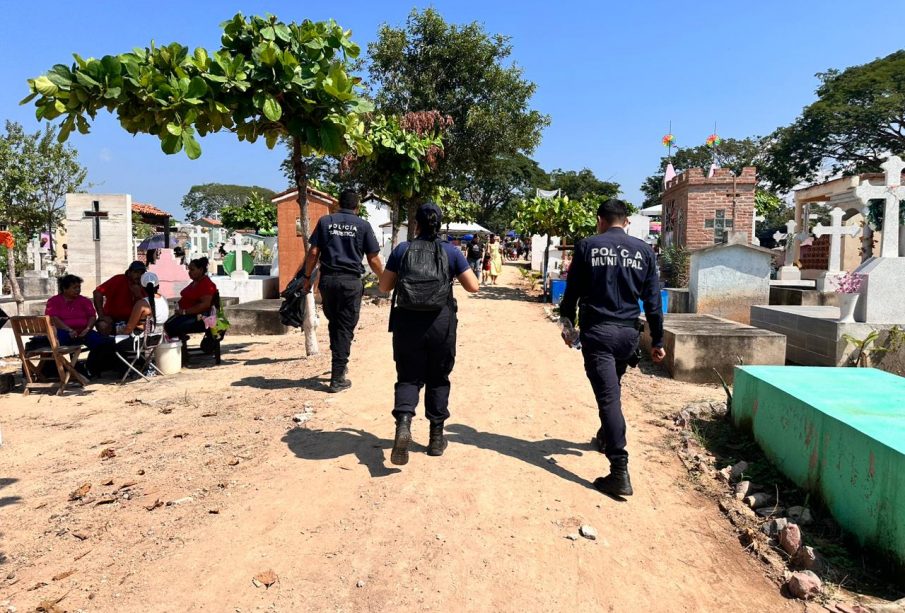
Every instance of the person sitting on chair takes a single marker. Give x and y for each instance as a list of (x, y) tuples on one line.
[(152, 305), (115, 297), (73, 315), (196, 301)]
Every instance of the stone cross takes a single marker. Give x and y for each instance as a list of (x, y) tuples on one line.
[(239, 248), (789, 236), (97, 214), (836, 231), (36, 255), (757, 218), (892, 192), (720, 225)]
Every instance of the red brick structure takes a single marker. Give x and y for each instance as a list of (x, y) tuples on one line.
[(701, 211), (816, 256), (289, 234)]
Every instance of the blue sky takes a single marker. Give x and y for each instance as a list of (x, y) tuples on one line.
[(610, 74)]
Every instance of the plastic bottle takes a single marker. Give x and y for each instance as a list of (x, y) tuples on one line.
[(569, 333)]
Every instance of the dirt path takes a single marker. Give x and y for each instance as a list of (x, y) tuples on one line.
[(482, 528)]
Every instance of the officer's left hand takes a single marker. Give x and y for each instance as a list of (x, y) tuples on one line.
[(657, 354)]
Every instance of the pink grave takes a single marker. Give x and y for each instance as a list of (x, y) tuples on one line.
[(174, 277)]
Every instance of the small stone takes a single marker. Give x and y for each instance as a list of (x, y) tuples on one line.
[(439, 537), (756, 501), (572, 537), (180, 501), (790, 539), (588, 532), (738, 470), (301, 418), (770, 511), (804, 585), (360, 583), (801, 516), (724, 475), (742, 489), (806, 558), (773, 527)]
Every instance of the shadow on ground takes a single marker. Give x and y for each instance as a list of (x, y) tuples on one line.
[(536, 453), (328, 445), (317, 384), (6, 501), (501, 292)]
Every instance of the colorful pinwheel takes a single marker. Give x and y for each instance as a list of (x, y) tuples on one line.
[(714, 141), (669, 140)]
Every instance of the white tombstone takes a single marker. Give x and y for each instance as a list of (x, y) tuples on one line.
[(883, 278), (275, 262), (827, 281), (238, 247), (199, 242), (789, 272), (99, 235), (36, 255)]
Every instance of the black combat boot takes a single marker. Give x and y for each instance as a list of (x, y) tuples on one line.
[(599, 442), (617, 483), (438, 442), (400, 453), (338, 381)]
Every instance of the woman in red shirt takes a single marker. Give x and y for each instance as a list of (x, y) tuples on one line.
[(195, 303)]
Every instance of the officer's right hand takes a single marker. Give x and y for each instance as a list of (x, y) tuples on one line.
[(306, 286), (657, 354)]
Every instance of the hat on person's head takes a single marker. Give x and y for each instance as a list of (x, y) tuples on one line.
[(149, 278), (423, 214), (137, 266)]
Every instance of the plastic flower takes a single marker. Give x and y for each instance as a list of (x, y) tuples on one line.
[(714, 140), (6, 239), (669, 140), (849, 283)]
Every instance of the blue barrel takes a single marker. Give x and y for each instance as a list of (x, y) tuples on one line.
[(557, 289), (664, 298)]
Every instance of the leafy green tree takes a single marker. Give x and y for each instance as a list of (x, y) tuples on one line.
[(581, 184), (466, 73), (210, 199), (502, 181), (560, 216), (257, 213), (268, 80), (140, 229), (857, 119), (455, 208)]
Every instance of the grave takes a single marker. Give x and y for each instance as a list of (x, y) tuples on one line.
[(696, 345), (256, 317), (171, 272), (99, 236), (727, 280), (839, 433), (36, 281), (242, 285), (816, 337)]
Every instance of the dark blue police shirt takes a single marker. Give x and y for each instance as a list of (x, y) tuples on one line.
[(457, 263), (608, 275), (343, 238)]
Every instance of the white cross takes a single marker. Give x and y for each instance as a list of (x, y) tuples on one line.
[(757, 218), (892, 192), (836, 232), (37, 254), (196, 237), (790, 236), (239, 248)]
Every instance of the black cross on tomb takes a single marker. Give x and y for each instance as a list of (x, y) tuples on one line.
[(720, 226), (97, 214)]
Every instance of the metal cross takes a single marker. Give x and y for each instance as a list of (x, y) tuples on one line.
[(97, 214)]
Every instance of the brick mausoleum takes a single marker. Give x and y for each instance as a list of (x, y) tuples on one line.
[(289, 235), (699, 211)]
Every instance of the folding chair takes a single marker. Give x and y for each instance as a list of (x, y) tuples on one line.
[(143, 346), (64, 357)]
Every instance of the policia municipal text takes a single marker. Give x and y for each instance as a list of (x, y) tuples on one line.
[(609, 273)]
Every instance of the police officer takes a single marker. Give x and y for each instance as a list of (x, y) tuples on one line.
[(609, 273), (340, 243)]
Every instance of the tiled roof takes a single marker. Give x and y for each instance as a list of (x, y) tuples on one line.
[(311, 192), (148, 209), (213, 222)]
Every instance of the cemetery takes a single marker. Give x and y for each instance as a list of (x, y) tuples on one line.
[(230, 463)]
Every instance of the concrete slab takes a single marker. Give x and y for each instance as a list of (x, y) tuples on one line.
[(814, 337), (840, 433), (698, 344), (248, 290), (256, 317), (799, 283), (797, 296), (678, 300)]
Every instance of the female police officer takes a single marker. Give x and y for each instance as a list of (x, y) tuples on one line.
[(423, 323)]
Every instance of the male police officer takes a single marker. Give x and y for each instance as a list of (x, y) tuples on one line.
[(340, 242), (609, 273)]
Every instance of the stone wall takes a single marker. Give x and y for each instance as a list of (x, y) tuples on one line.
[(98, 260), (692, 204), (289, 237)]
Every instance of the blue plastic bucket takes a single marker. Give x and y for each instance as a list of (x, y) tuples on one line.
[(557, 289), (664, 298)]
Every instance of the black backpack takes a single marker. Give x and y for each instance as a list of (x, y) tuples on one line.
[(424, 282), (474, 250)]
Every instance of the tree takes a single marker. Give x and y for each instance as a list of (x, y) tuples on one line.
[(268, 79), (21, 209), (140, 229), (209, 199), (581, 184), (256, 212), (857, 119), (455, 209), (464, 72), (502, 181), (559, 216)]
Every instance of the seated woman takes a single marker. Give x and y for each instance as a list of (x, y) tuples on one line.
[(195, 302), (73, 315)]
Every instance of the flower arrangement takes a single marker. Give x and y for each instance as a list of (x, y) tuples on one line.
[(849, 283), (7, 240), (714, 141), (669, 140)]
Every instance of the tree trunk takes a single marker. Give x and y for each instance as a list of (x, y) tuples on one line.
[(13, 284), (394, 218), (301, 184), (546, 260)]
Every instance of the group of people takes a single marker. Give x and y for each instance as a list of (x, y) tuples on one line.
[(611, 271), (123, 306), (485, 260)]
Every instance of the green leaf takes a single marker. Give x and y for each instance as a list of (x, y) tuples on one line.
[(282, 32), (268, 33), (272, 109), (201, 57), (192, 147), (171, 144), (197, 88), (29, 98), (82, 124), (272, 138), (44, 86), (174, 129)]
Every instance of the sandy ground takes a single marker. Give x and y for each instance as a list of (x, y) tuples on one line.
[(235, 488)]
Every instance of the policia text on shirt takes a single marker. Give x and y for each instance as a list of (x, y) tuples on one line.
[(609, 274)]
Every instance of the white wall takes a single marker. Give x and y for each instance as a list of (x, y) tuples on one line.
[(727, 281), (538, 243)]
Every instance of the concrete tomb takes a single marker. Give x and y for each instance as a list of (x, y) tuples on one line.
[(727, 280), (839, 433), (257, 317), (99, 235)]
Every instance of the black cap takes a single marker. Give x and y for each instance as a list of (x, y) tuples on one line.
[(424, 211), (137, 266)]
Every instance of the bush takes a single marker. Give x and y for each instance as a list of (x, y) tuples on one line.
[(675, 266)]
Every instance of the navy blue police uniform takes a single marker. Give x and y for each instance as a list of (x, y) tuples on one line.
[(424, 346), (610, 272), (344, 239)]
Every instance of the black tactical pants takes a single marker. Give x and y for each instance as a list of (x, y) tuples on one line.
[(424, 348), (341, 296), (607, 349)]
